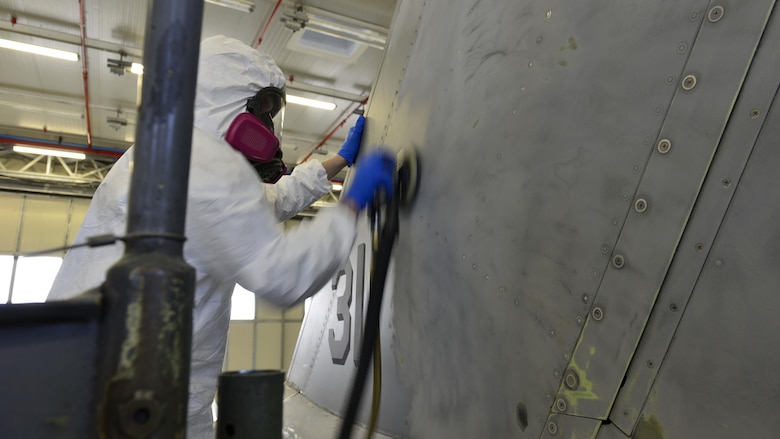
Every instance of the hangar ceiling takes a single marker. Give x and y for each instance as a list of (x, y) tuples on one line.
[(329, 50)]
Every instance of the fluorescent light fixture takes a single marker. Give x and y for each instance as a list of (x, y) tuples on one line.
[(337, 187), (311, 102), (137, 68), (239, 5), (52, 152), (38, 50)]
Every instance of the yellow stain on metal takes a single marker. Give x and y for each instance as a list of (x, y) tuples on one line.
[(585, 388), (649, 428), (171, 326), (130, 344)]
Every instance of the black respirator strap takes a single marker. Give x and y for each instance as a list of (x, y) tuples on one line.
[(271, 172), (259, 103)]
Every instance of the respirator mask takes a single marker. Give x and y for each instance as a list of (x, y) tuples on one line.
[(256, 133)]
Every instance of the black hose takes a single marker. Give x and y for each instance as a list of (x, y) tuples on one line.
[(381, 262)]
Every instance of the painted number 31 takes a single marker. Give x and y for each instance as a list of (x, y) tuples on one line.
[(339, 348)]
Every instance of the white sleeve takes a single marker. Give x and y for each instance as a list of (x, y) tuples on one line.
[(234, 234), (300, 262), (293, 193)]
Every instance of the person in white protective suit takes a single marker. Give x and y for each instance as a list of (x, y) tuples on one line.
[(233, 218)]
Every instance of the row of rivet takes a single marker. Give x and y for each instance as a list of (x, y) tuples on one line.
[(571, 379)]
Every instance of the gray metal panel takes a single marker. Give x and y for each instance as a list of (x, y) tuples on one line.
[(401, 39), (46, 370), (718, 379), (671, 181), (716, 194), (570, 427), (313, 369), (609, 431), (533, 123), (324, 370), (305, 420)]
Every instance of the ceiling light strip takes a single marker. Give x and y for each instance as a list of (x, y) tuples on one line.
[(239, 5), (39, 50), (33, 31), (291, 99), (51, 152), (322, 91)]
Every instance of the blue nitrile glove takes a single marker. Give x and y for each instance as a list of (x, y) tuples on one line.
[(349, 150), (374, 171)]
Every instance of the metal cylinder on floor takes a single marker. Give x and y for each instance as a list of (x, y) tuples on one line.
[(250, 404)]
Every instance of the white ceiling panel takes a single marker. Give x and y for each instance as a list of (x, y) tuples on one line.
[(45, 98)]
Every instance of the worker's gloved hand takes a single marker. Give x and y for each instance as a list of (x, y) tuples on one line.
[(375, 171), (349, 150)]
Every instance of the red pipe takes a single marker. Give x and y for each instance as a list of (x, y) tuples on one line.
[(84, 72), (267, 23), (341, 124)]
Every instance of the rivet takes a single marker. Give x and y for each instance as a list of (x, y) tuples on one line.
[(699, 246), (552, 428), (718, 262), (598, 313), (650, 364), (715, 14), (556, 372), (682, 48), (726, 182), (579, 320), (689, 82), (755, 113), (640, 205), (664, 145), (585, 298), (673, 307), (618, 261), (549, 14), (604, 248), (572, 381), (561, 405), (670, 79), (552, 333)]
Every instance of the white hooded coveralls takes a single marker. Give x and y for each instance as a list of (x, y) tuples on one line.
[(232, 223)]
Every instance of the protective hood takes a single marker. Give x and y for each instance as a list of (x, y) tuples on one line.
[(229, 73)]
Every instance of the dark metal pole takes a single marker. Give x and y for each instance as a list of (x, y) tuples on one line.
[(145, 336)]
